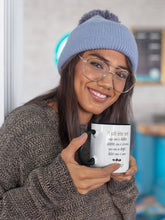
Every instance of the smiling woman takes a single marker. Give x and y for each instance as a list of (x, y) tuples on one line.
[(42, 176)]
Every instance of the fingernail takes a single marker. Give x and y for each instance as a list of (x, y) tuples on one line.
[(82, 136), (115, 174), (129, 173), (118, 165)]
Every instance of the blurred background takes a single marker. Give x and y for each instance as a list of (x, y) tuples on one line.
[(32, 35)]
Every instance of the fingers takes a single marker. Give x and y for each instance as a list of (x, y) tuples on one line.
[(128, 174), (76, 143), (120, 177), (132, 167), (86, 178), (96, 177), (86, 185), (94, 173), (112, 167), (68, 154)]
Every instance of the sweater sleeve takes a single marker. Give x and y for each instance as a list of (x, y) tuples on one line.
[(44, 189), (34, 180), (124, 195)]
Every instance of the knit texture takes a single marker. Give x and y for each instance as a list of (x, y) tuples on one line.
[(103, 13), (100, 33), (35, 182)]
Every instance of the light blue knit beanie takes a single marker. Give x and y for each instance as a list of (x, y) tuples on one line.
[(98, 32)]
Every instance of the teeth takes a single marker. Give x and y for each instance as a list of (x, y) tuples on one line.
[(98, 94)]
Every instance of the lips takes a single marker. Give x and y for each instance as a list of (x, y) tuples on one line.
[(97, 95)]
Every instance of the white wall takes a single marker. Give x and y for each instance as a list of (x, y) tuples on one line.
[(13, 54), (46, 21), (1, 61)]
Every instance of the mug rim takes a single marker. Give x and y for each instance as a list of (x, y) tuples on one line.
[(109, 124)]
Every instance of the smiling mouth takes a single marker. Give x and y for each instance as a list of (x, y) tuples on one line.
[(97, 95)]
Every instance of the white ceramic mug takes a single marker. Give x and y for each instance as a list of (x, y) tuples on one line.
[(110, 143)]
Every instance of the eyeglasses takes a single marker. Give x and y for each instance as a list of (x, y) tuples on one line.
[(96, 69)]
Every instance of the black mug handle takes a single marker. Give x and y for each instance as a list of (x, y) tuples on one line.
[(80, 152)]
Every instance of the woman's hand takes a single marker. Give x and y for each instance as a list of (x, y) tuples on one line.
[(128, 174), (85, 178)]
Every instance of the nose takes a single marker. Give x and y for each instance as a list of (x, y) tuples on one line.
[(107, 81)]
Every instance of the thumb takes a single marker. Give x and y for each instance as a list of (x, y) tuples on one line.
[(76, 143), (112, 167)]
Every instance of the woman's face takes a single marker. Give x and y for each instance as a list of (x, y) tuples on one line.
[(94, 97)]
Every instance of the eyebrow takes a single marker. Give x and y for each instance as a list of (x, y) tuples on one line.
[(100, 57), (107, 61)]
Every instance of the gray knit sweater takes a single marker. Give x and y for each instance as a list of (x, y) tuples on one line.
[(35, 182)]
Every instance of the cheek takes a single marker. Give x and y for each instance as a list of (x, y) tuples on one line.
[(113, 100), (80, 83), (77, 75)]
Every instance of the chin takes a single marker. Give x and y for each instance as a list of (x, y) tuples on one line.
[(97, 111)]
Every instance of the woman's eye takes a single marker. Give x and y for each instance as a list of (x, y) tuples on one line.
[(97, 65), (122, 75)]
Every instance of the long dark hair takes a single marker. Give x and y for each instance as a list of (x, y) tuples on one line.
[(69, 125)]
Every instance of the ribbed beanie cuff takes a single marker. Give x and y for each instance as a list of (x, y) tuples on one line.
[(100, 33)]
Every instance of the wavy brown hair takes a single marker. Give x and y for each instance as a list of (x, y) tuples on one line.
[(69, 125)]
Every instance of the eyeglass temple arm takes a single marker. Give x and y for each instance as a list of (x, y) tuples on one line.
[(82, 59)]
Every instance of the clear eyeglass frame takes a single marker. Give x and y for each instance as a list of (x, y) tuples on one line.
[(114, 75)]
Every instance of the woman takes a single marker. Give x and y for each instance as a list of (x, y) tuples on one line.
[(41, 176)]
